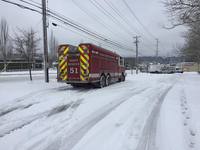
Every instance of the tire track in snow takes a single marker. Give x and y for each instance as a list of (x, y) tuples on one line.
[(147, 140), (16, 104), (13, 125), (49, 113), (80, 129)]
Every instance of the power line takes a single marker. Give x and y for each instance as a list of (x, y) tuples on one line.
[(96, 18), (91, 33), (21, 6), (74, 25), (138, 20), (35, 2), (81, 34), (116, 10), (105, 40), (112, 6), (35, 5), (98, 6)]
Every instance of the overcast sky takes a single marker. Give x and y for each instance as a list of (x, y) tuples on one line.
[(151, 13)]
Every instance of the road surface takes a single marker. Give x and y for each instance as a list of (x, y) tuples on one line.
[(133, 115)]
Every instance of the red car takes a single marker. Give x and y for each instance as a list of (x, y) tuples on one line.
[(89, 64)]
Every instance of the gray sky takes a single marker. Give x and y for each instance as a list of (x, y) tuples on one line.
[(150, 12)]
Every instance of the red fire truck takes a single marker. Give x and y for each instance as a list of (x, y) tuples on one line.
[(89, 64)]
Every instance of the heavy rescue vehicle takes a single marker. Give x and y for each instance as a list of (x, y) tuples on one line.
[(89, 64)]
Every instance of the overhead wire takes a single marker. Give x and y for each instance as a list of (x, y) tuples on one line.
[(101, 9), (111, 5), (137, 18), (78, 27), (104, 11), (21, 6), (116, 10), (90, 33), (97, 19), (93, 39)]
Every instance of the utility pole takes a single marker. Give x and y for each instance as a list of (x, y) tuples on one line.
[(45, 44), (157, 42), (136, 57)]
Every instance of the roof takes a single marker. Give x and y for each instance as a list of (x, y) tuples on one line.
[(98, 48)]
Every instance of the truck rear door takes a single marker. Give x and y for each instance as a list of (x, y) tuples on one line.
[(68, 66), (73, 63), (73, 67)]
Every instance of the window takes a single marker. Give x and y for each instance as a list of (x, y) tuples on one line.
[(121, 61)]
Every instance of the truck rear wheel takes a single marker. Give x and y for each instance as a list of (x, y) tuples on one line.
[(102, 82), (123, 78), (108, 80)]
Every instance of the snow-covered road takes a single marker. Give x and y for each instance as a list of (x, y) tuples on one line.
[(138, 114)]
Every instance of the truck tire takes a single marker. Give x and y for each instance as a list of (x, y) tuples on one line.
[(108, 80), (102, 82), (123, 78)]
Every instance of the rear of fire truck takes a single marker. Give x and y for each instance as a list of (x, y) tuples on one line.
[(73, 66), (89, 64)]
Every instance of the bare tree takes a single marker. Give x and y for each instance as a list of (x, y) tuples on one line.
[(191, 50), (53, 44), (4, 41), (183, 12), (26, 43), (187, 12)]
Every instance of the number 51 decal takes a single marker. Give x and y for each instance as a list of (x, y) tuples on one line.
[(73, 70)]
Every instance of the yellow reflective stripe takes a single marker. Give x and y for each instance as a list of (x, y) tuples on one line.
[(84, 67), (61, 57), (82, 78), (86, 56), (84, 64), (85, 73), (65, 78), (66, 50), (82, 72), (65, 71), (61, 63), (63, 67), (80, 49), (83, 59)]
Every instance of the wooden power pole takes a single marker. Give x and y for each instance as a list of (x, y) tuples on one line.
[(136, 57), (45, 44), (157, 42)]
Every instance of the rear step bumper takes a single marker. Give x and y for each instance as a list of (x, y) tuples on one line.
[(81, 82)]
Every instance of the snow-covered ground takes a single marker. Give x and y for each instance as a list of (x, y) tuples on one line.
[(146, 112)]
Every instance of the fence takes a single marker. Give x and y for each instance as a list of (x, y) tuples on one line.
[(20, 66)]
